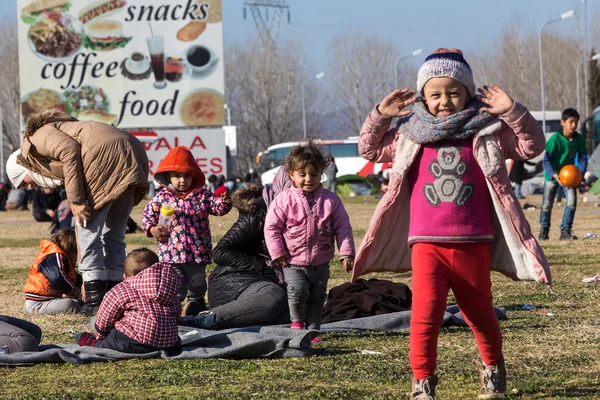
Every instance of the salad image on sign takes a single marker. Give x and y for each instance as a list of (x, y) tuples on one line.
[(89, 103), (103, 34)]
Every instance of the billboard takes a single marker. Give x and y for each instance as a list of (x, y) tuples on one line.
[(130, 63)]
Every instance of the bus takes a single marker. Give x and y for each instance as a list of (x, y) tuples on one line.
[(345, 152)]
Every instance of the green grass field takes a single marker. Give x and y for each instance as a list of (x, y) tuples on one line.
[(547, 357)]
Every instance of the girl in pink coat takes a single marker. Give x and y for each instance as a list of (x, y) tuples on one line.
[(450, 213), (300, 227)]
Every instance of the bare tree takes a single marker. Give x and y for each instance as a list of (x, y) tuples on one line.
[(9, 87), (364, 74), (264, 92), (513, 63)]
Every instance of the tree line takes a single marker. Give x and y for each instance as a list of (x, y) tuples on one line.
[(263, 84)]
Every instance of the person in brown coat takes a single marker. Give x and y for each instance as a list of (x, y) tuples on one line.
[(105, 173)]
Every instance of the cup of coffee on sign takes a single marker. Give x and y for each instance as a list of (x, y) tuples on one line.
[(157, 59), (137, 63), (200, 58), (176, 68)]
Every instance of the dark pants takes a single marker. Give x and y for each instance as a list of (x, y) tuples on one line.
[(19, 335), (261, 303), (123, 343), (42, 217)]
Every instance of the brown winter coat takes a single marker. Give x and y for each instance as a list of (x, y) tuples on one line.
[(97, 162)]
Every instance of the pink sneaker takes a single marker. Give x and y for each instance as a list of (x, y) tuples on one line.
[(297, 325)]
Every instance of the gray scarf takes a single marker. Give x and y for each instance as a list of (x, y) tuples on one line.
[(422, 127)]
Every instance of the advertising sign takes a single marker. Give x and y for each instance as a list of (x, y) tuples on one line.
[(131, 63), (207, 146)]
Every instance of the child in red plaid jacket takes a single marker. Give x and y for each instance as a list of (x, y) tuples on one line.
[(140, 314)]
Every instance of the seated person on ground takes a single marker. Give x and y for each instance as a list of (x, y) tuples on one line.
[(140, 314), (17, 200), (243, 290), (44, 204), (53, 285)]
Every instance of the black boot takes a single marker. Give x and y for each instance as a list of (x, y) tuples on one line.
[(94, 293), (111, 284), (544, 234), (566, 234)]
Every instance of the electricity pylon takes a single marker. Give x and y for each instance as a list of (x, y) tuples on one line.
[(267, 30)]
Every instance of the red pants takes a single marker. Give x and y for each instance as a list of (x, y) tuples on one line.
[(464, 268)]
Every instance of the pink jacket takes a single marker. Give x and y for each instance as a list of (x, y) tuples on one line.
[(303, 234), (515, 252)]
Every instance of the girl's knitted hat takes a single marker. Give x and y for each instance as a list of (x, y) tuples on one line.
[(448, 63)]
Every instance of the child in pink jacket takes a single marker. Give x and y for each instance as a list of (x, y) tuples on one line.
[(300, 227), (450, 213)]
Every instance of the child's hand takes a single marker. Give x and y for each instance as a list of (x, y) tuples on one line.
[(393, 104), (557, 178), (225, 198), (159, 232), (281, 262), (348, 263), (498, 100)]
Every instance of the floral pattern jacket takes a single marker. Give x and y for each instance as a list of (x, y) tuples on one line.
[(190, 239)]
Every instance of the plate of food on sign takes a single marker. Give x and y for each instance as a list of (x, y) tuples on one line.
[(53, 36), (103, 34), (40, 100), (89, 103)]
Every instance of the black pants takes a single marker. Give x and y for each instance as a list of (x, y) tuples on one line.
[(123, 343)]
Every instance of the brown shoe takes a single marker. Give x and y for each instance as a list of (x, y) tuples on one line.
[(193, 307), (424, 389), (493, 380)]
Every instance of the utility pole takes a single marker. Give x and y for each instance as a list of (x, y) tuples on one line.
[(267, 30), (586, 56)]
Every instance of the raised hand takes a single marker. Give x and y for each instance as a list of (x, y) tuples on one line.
[(394, 102), (498, 100)]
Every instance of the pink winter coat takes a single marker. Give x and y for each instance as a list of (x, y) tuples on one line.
[(304, 234), (515, 252)]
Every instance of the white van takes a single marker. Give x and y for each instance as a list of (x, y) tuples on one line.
[(552, 121)]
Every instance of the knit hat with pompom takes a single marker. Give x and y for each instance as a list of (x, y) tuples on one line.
[(448, 63)]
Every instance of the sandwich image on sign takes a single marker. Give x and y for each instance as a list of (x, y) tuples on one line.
[(103, 34), (34, 10)]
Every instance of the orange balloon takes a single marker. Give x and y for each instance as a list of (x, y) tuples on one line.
[(570, 176)]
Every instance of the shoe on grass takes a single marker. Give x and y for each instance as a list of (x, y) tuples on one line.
[(424, 389), (566, 234), (493, 380)]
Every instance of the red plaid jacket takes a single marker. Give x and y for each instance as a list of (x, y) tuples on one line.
[(144, 307)]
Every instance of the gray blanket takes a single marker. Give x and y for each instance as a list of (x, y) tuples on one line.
[(398, 321), (238, 343)]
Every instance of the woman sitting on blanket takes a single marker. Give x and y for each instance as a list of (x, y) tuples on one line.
[(243, 290)]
